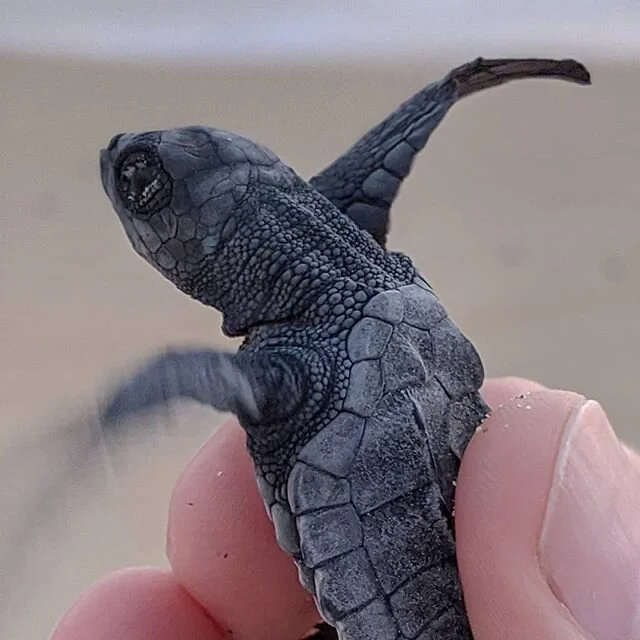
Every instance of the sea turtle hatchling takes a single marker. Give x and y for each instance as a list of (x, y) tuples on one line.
[(357, 393)]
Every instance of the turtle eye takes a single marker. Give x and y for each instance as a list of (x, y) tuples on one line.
[(143, 183)]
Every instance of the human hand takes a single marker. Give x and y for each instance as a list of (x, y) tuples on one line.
[(548, 539)]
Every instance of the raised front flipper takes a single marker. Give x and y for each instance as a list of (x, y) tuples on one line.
[(364, 182), (256, 387)]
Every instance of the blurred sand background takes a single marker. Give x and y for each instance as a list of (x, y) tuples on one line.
[(523, 213)]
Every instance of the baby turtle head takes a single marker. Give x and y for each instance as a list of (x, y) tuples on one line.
[(185, 196)]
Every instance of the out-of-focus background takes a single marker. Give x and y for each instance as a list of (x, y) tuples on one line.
[(523, 213)]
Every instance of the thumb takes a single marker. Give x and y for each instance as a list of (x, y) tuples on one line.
[(547, 523)]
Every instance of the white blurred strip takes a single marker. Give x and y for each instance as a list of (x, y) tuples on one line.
[(284, 29)]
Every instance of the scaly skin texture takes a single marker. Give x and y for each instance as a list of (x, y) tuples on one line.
[(357, 392)]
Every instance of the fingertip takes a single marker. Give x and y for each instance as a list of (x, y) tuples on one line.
[(222, 545), (502, 491), (497, 391), (136, 604)]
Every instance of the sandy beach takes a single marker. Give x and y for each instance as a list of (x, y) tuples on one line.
[(523, 213)]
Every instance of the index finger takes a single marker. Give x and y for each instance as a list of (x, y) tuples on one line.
[(223, 550)]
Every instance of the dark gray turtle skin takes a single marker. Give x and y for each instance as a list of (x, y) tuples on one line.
[(357, 392)]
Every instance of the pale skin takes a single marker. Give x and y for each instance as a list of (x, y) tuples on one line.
[(548, 536)]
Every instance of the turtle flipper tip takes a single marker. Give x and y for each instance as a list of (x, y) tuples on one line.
[(484, 73), (575, 71), (117, 409)]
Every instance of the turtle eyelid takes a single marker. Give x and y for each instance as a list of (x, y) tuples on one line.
[(133, 150), (114, 141)]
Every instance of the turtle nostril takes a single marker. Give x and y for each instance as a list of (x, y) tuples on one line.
[(114, 141)]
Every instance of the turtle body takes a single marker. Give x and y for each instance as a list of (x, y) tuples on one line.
[(366, 508), (357, 392)]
